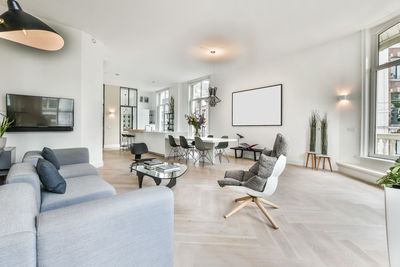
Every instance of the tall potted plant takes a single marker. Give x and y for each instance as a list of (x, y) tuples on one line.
[(391, 183), (324, 135), (3, 128), (313, 130)]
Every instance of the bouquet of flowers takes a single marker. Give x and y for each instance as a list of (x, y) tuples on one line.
[(197, 121)]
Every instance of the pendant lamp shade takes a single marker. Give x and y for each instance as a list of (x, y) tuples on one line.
[(20, 27)]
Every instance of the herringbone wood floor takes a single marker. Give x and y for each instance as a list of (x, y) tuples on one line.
[(325, 219)]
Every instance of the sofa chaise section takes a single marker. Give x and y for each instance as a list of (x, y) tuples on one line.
[(17, 225), (79, 189), (131, 229)]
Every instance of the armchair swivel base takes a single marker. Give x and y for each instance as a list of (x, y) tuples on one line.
[(259, 201)]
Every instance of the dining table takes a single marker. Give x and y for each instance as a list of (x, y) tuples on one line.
[(209, 142)]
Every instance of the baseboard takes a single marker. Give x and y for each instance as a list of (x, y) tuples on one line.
[(360, 173), (98, 164), (113, 146)]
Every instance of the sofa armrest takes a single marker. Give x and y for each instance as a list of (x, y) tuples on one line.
[(68, 156), (131, 229)]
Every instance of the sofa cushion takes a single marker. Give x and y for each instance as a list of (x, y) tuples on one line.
[(32, 157), (75, 170), (68, 156), (79, 189), (48, 154), (17, 225), (50, 178), (25, 173)]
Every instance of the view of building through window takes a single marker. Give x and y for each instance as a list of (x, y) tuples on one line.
[(162, 109), (387, 132), (198, 96)]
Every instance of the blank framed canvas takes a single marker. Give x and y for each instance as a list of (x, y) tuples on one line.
[(257, 107)]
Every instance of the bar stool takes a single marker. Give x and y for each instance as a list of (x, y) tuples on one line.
[(124, 142), (131, 139)]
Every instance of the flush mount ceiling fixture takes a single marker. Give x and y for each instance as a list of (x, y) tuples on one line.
[(21, 27)]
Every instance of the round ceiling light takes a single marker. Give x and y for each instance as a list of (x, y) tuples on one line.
[(21, 27)]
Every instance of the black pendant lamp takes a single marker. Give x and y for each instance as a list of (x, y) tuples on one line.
[(213, 99), (20, 27)]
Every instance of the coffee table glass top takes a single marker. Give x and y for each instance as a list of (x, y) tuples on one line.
[(159, 174)]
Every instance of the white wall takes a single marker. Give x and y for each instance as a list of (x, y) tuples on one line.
[(311, 80), (73, 72), (111, 121)]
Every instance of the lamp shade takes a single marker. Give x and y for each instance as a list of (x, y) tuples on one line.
[(21, 27)]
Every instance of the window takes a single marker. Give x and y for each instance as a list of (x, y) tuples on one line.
[(198, 93), (162, 109), (385, 92), (128, 108)]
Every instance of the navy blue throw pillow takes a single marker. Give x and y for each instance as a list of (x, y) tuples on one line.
[(48, 154), (50, 178)]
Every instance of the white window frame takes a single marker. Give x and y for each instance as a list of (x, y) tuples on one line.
[(371, 67), (198, 99), (159, 105)]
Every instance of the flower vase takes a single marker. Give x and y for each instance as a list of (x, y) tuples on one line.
[(197, 134)]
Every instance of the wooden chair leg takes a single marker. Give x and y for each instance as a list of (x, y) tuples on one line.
[(308, 155), (268, 203), (330, 164), (319, 161), (323, 164), (241, 206), (266, 213), (242, 198)]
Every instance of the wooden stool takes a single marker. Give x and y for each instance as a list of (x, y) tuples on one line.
[(313, 159), (324, 157)]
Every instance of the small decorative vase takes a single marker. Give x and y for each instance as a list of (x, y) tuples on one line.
[(3, 141), (197, 132)]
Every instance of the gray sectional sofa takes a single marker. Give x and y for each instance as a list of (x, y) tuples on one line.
[(89, 225)]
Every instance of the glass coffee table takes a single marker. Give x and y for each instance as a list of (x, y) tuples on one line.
[(158, 176)]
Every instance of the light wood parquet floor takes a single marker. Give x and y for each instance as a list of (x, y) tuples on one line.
[(325, 219)]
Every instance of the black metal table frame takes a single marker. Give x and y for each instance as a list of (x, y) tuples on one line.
[(140, 175), (255, 151)]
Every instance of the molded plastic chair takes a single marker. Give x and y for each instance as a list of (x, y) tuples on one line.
[(188, 150), (202, 150), (258, 197), (138, 150), (175, 147), (220, 149)]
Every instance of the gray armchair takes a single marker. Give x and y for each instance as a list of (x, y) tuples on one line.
[(260, 181)]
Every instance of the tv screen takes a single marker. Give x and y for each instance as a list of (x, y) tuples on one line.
[(39, 113)]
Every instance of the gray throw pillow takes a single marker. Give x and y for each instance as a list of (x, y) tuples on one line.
[(50, 178), (266, 166), (280, 146), (256, 183), (48, 154), (267, 152), (229, 181), (254, 168)]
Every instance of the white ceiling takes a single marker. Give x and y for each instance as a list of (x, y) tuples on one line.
[(160, 40)]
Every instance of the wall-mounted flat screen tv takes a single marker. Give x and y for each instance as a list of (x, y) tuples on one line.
[(40, 113)]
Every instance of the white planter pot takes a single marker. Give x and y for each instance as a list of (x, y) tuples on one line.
[(3, 141), (392, 206)]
